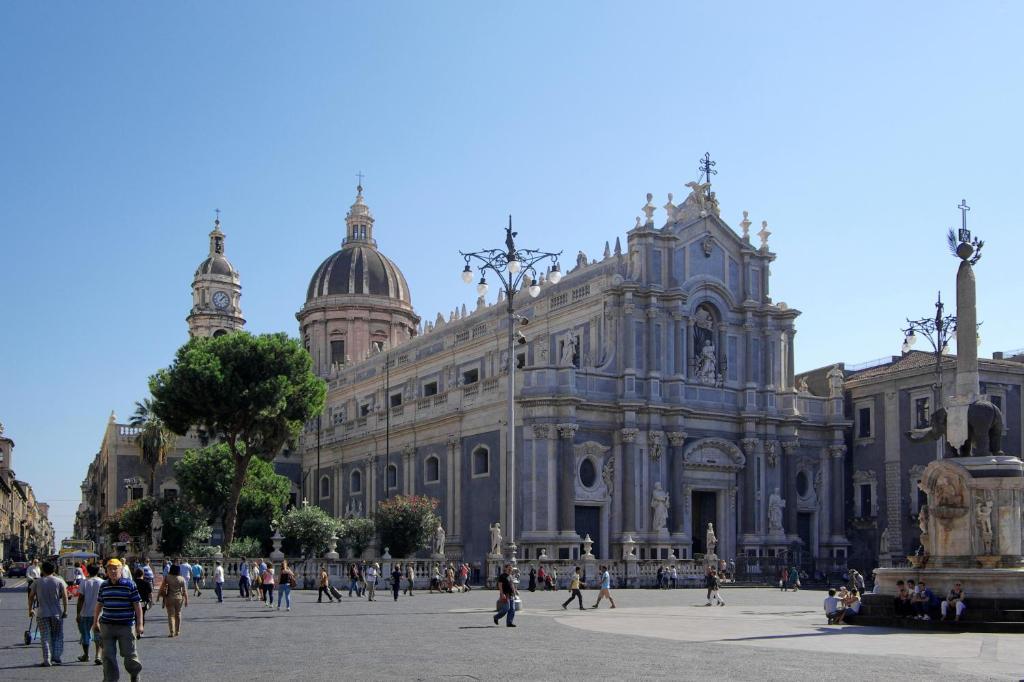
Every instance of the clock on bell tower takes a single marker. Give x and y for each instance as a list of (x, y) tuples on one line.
[(216, 292)]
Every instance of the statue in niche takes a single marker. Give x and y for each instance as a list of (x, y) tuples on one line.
[(570, 351), (775, 506), (983, 515), (711, 541), (608, 473), (439, 537), (496, 538), (883, 542), (703, 329), (659, 505), (707, 365)]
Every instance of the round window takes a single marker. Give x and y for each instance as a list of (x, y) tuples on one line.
[(588, 472), (801, 484)]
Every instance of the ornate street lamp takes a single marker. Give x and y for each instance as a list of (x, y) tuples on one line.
[(514, 268), (937, 331)]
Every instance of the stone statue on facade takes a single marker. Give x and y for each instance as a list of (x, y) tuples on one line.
[(983, 516), (804, 389), (711, 541), (496, 538), (608, 473), (775, 506), (569, 351), (835, 382), (707, 365), (439, 537), (922, 519), (883, 542), (703, 329), (156, 525), (659, 505)]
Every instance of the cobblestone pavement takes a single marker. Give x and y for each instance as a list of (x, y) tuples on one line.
[(761, 634)]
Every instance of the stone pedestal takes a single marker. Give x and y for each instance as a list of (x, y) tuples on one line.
[(972, 527)]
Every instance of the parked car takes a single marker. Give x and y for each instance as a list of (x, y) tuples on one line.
[(17, 569)]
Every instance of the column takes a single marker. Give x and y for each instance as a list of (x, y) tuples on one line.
[(838, 491), (677, 344), (566, 479), (629, 335), (788, 470), (456, 504), (750, 449), (675, 476), (687, 347), (629, 480), (790, 359)]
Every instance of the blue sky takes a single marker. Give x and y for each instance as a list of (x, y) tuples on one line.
[(854, 130)]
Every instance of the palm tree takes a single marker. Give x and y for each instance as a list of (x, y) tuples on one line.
[(155, 440)]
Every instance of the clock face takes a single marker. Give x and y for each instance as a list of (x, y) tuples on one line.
[(221, 300)]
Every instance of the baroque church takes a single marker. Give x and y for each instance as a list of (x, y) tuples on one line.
[(654, 393)]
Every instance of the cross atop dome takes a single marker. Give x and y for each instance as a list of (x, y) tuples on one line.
[(359, 220)]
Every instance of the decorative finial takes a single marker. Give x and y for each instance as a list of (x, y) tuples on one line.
[(359, 187), (745, 224), (764, 234), (216, 221), (638, 223), (649, 209), (670, 210), (960, 243)]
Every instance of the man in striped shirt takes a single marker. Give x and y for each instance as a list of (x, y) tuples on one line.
[(118, 608)]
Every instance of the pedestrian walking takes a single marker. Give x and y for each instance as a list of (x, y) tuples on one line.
[(218, 582), (147, 572), (198, 578), (33, 573), (267, 581), (396, 579), (464, 577), (783, 579), (714, 585), (574, 585), (606, 586), (371, 581), (88, 591), (118, 611), (531, 585), (506, 597), (48, 602), (324, 587), (244, 590), (353, 580), (256, 571), (435, 579), (675, 576), (410, 578), (145, 592), (285, 583), (186, 572), (173, 597)]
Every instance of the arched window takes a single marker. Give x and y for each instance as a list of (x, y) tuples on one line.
[(220, 332), (355, 482), (325, 486), (392, 476), (481, 461), (432, 469)]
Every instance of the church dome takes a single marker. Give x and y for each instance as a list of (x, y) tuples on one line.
[(358, 268), (215, 265)]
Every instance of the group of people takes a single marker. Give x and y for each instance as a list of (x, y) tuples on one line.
[(260, 576), (918, 602), (842, 605), (451, 578)]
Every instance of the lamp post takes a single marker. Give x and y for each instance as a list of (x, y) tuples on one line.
[(938, 331), (513, 268)]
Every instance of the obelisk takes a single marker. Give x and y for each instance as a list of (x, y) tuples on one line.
[(967, 387)]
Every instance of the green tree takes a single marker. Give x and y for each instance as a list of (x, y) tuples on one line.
[(155, 440), (135, 519), (180, 521), (356, 534), (205, 475), (252, 392), (308, 529), (406, 523)]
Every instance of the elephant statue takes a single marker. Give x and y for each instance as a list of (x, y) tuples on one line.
[(984, 431)]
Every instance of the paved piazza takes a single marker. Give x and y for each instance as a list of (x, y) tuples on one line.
[(760, 634)]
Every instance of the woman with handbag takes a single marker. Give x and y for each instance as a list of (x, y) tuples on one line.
[(285, 582), (173, 596)]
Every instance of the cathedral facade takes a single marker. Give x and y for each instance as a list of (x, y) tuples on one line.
[(654, 393)]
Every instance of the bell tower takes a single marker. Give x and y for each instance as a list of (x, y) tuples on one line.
[(216, 292)]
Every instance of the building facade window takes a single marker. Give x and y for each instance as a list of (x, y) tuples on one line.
[(432, 470), (392, 476), (481, 461), (355, 482), (396, 399), (922, 412), (338, 352), (864, 413), (325, 486), (429, 388), (865, 499), (470, 376)]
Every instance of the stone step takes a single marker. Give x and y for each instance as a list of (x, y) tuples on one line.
[(943, 626)]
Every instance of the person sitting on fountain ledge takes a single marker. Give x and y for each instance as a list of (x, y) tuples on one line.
[(833, 607), (955, 597), (902, 607), (923, 601)]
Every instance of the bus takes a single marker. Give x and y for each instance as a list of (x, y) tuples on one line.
[(69, 545)]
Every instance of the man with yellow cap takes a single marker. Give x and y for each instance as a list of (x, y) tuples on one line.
[(118, 610)]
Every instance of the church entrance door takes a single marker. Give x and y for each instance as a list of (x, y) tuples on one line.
[(705, 507), (588, 521)]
